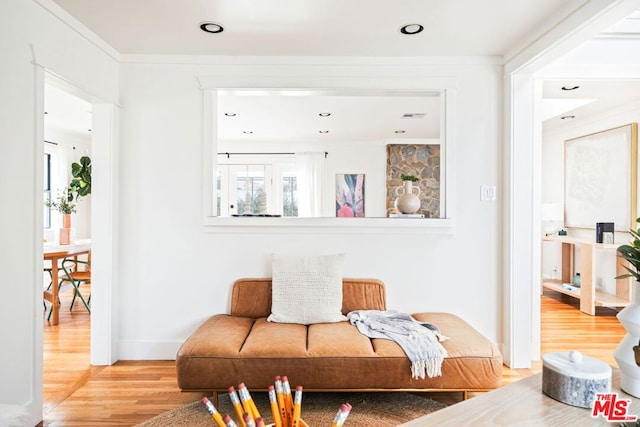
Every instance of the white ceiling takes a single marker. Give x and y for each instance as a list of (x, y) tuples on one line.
[(590, 99), (354, 116), (314, 27), (335, 28), (65, 115)]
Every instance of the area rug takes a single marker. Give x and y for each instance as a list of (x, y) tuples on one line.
[(318, 410)]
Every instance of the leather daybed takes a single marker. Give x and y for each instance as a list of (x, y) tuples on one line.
[(243, 347)]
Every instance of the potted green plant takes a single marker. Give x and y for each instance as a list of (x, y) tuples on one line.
[(411, 178), (80, 185), (63, 203), (631, 253)]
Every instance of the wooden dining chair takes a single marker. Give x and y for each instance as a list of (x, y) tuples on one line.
[(76, 272)]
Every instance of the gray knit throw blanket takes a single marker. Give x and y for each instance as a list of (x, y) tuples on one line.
[(419, 340)]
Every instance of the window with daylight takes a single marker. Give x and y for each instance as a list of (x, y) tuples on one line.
[(256, 189), (289, 195), (251, 194)]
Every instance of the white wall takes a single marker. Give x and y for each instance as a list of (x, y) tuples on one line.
[(27, 29), (175, 275)]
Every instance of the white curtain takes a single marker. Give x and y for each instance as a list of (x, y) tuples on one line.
[(309, 170)]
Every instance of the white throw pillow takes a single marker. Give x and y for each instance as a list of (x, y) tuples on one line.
[(307, 289)]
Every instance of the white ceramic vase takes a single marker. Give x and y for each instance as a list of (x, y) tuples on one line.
[(407, 202), (627, 354)]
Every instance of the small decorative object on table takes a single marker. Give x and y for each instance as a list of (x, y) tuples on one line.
[(627, 354), (604, 232), (574, 379), (407, 202), (65, 205), (286, 407), (576, 280)]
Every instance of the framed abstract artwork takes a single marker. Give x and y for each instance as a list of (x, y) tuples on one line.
[(600, 175), (350, 195)]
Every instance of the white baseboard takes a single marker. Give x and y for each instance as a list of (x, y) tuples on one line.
[(148, 350)]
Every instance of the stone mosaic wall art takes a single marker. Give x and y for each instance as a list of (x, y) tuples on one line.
[(423, 161)]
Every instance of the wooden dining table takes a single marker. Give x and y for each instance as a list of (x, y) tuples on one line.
[(54, 252)]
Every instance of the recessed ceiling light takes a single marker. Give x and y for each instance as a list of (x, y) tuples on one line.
[(323, 131), (89, 130), (46, 112), (399, 131), (411, 29), (324, 114), (570, 87), (211, 27), (567, 117), (247, 132), (230, 114)]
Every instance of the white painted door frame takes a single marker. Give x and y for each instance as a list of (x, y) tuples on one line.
[(521, 179), (103, 217), (104, 222)]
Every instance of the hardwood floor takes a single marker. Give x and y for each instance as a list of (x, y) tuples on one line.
[(77, 394), (129, 392)]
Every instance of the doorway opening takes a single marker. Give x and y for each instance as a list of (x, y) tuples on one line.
[(67, 139)]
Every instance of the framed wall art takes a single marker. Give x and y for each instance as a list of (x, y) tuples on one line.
[(600, 181), (350, 195)]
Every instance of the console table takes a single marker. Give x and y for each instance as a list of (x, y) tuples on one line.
[(589, 297), (521, 403)]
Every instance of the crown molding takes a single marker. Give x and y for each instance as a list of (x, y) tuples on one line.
[(78, 27)]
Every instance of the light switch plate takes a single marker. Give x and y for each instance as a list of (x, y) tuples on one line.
[(488, 193)]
